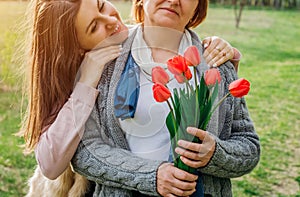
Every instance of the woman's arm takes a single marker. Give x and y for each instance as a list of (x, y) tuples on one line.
[(101, 159), (237, 149), (235, 60), (97, 159), (59, 141), (237, 155)]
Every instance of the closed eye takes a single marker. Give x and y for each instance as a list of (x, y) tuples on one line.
[(94, 27), (101, 5)]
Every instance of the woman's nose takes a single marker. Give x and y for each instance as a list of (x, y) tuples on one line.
[(110, 22), (174, 2)]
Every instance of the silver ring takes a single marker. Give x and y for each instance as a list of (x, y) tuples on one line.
[(218, 48)]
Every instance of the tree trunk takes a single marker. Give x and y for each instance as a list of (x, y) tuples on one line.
[(238, 12), (277, 4)]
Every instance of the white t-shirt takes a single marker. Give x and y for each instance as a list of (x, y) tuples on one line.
[(146, 133)]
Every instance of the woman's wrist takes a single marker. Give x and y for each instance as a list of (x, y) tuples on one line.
[(237, 55), (85, 93), (88, 82), (235, 60)]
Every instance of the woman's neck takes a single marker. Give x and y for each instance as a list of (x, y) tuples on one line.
[(164, 42)]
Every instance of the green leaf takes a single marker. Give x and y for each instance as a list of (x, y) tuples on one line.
[(171, 125), (177, 112), (207, 110), (184, 110), (190, 113), (177, 106), (202, 92), (176, 95), (197, 107), (181, 92), (215, 93), (179, 164), (193, 100)]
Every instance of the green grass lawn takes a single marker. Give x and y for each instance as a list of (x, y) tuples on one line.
[(269, 41)]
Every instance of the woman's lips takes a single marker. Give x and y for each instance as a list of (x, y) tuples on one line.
[(170, 10), (116, 30)]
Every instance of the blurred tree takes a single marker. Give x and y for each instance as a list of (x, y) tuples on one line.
[(238, 9)]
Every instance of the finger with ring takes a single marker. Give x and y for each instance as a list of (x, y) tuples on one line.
[(218, 48)]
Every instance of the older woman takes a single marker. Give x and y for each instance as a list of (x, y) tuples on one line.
[(125, 147)]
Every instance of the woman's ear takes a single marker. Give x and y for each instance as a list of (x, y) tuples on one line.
[(82, 52), (140, 3)]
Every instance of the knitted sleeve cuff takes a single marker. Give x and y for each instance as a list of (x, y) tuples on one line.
[(85, 94)]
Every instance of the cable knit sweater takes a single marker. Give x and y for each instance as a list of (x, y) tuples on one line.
[(103, 154)]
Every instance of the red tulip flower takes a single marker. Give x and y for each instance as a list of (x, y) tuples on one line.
[(179, 78), (159, 75), (239, 88), (186, 75), (211, 76), (192, 56), (190, 105), (160, 92), (177, 65)]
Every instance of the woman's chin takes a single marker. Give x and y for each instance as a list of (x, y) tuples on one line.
[(115, 39)]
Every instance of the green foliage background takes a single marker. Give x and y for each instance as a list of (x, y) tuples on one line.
[(269, 41)]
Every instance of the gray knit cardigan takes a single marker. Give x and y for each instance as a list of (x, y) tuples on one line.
[(103, 154)]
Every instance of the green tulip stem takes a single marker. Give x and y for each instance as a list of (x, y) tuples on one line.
[(219, 103), (197, 99), (173, 102), (195, 77), (172, 112), (188, 85)]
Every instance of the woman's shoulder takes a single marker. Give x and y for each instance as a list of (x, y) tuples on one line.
[(228, 72)]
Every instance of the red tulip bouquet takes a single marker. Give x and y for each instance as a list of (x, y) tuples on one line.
[(192, 105)]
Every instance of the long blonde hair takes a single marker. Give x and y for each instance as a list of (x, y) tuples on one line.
[(54, 60)]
